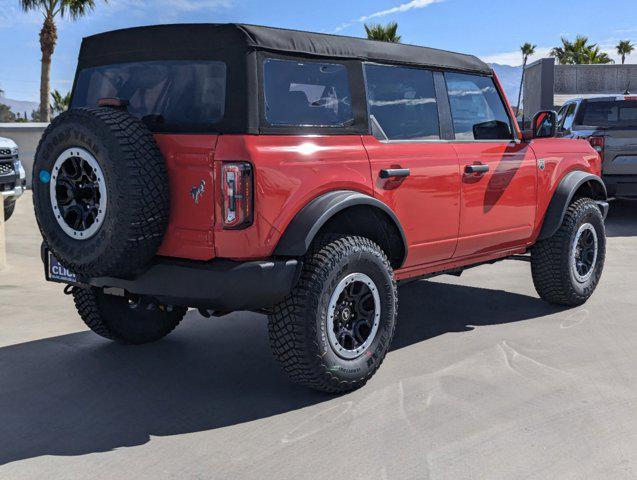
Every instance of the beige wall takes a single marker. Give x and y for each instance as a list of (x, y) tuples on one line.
[(27, 136)]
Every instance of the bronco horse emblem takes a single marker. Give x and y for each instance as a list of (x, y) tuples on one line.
[(198, 191)]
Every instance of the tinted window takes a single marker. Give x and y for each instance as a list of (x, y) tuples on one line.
[(306, 93), (477, 109), (560, 114), (402, 103), (166, 95), (610, 114), (569, 116)]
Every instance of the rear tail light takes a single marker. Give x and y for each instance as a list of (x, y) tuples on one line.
[(598, 144), (237, 188)]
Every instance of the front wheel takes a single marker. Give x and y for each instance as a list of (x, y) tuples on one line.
[(126, 320), (567, 267), (335, 328)]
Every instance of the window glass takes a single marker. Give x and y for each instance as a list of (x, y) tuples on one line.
[(610, 113), (477, 109), (569, 117), (561, 114), (165, 95), (402, 103), (306, 93)]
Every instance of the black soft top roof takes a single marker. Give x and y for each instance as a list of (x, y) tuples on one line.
[(201, 40)]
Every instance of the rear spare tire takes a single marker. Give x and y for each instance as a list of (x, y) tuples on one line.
[(100, 190)]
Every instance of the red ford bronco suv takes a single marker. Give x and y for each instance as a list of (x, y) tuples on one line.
[(235, 167)]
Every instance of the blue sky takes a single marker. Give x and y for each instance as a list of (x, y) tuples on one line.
[(492, 29)]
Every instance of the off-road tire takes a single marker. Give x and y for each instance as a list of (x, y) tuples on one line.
[(9, 208), (550, 258), (136, 182), (114, 318), (297, 326)]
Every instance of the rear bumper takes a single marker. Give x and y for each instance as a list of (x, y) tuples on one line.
[(621, 185), (220, 285)]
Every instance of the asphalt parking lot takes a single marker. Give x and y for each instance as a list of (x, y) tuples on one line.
[(484, 380)]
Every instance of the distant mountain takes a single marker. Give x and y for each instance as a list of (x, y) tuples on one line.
[(510, 79), (19, 106)]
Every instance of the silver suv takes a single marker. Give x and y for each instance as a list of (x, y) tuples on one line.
[(13, 178)]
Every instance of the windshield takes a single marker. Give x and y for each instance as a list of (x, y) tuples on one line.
[(610, 114), (168, 96)]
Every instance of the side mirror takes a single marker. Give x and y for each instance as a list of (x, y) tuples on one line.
[(545, 124), (492, 130)]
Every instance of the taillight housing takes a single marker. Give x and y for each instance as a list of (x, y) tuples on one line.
[(237, 194), (598, 144)]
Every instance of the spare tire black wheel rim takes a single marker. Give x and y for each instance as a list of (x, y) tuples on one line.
[(585, 250), (78, 193), (353, 316)]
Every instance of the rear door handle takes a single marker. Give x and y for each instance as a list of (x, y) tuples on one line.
[(479, 168), (394, 172)]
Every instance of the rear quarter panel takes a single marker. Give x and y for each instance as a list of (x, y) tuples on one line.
[(290, 171), (559, 157)]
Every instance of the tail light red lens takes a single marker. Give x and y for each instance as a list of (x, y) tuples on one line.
[(237, 192), (598, 144)]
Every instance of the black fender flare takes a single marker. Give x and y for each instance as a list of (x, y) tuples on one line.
[(301, 231), (562, 199)]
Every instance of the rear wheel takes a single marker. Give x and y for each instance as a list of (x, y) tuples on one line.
[(126, 320), (335, 328), (9, 208), (567, 267)]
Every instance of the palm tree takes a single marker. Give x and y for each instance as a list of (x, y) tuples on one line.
[(595, 56), (579, 52), (527, 50), (60, 103), (625, 47), (52, 9), (382, 33)]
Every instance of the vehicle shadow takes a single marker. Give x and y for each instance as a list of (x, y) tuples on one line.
[(77, 394), (622, 219)]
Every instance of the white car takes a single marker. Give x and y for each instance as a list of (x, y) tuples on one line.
[(13, 178)]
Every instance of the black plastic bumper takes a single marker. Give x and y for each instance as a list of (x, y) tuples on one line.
[(621, 185), (220, 285)]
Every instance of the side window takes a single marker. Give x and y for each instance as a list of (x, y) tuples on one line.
[(306, 93), (561, 114), (569, 116), (477, 109), (402, 103)]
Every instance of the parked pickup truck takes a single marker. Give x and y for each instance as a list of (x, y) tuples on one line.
[(12, 176), (610, 125), (301, 175)]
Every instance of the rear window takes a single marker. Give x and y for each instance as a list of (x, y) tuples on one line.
[(306, 94), (166, 95), (609, 114)]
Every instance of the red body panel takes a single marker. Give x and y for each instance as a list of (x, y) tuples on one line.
[(189, 159), (450, 219), (498, 207), (290, 171), (560, 156), (427, 202)]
